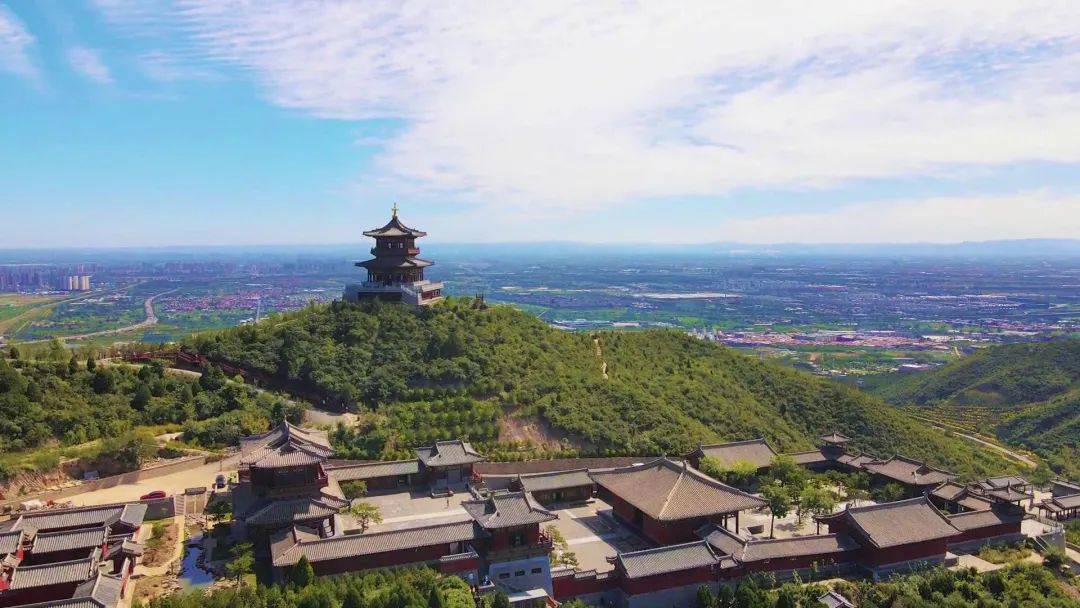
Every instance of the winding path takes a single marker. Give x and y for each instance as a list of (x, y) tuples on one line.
[(993, 446)]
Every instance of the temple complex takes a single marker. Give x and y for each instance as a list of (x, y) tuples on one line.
[(396, 273)]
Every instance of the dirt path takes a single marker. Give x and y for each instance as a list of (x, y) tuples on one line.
[(993, 446), (600, 355)]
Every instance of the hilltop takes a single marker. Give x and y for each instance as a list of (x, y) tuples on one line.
[(418, 375), (1025, 394)]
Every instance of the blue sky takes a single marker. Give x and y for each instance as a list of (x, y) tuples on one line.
[(172, 122)]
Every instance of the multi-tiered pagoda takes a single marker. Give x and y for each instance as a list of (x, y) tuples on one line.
[(395, 273)]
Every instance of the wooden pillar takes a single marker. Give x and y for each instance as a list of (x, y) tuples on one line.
[(736, 522)]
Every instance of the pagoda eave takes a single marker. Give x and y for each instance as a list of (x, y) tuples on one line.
[(404, 263)]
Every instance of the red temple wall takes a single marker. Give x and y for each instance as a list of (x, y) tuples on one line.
[(668, 580), (987, 532), (928, 550), (569, 586), (500, 539)]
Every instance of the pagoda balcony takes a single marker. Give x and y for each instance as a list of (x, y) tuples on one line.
[(375, 251)]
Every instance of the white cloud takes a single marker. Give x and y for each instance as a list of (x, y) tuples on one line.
[(15, 42), (933, 220), (89, 64), (582, 104)]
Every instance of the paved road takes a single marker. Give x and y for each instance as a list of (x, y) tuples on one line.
[(955, 431)]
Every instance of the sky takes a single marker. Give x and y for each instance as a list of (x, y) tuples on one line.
[(222, 122)]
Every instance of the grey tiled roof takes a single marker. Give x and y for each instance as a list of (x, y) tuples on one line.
[(448, 453), (833, 599), (285, 456), (974, 503), (908, 471), (818, 544), (507, 510), (10, 541), (297, 509), (982, 519), (725, 542), (722, 540), (370, 470), (556, 480), (949, 491), (755, 451), (103, 589), (898, 523), (809, 457), (378, 542), (666, 491), (662, 560), (1002, 482), (1071, 501), (75, 571), (52, 519), (65, 541)]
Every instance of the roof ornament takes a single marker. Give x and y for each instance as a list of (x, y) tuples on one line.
[(393, 210)]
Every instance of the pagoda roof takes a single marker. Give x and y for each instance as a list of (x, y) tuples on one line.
[(835, 438), (395, 228), (388, 263), (284, 442), (669, 491)]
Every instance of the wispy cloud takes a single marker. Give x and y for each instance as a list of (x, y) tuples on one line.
[(15, 43), (163, 66), (584, 104), (88, 63)]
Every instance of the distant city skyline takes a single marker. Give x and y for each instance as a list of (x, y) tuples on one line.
[(211, 122)]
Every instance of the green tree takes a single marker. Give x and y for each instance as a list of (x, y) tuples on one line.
[(242, 562), (435, 598), (218, 510), (500, 600), (365, 514), (14, 353), (1042, 475), (705, 598), (779, 502), (352, 599), (73, 365), (142, 396), (785, 470), (91, 364), (817, 501), (302, 573)]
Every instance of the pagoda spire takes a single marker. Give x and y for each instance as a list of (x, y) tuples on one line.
[(393, 210)]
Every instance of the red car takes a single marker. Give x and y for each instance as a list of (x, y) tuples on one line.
[(153, 495)]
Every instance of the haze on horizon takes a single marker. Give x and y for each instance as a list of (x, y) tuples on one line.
[(217, 122)]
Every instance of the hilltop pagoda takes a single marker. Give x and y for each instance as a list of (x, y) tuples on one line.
[(395, 274)]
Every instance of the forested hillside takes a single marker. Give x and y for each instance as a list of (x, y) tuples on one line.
[(65, 403), (455, 371), (1025, 394)]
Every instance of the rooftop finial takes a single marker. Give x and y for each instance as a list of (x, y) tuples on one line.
[(394, 209)]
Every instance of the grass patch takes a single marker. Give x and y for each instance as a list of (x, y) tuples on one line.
[(1007, 554)]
